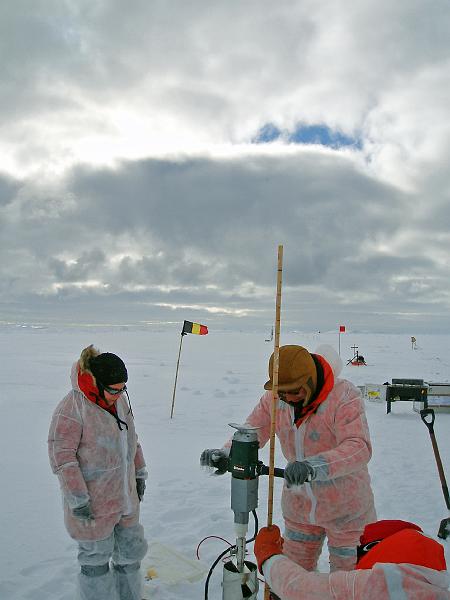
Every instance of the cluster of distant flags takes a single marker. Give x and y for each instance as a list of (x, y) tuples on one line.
[(199, 329), (189, 327)]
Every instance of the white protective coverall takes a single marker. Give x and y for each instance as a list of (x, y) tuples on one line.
[(384, 581), (96, 462), (335, 440)]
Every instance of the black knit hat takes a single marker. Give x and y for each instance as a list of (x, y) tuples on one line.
[(108, 369)]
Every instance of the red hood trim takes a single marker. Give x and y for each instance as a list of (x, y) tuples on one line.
[(87, 385)]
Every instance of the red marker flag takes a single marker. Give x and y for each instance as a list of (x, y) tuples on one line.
[(189, 327), (341, 328)]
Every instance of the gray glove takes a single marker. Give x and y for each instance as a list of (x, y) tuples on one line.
[(84, 513), (297, 473), (140, 488), (215, 458)]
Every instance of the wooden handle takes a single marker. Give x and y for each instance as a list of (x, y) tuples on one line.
[(276, 358)]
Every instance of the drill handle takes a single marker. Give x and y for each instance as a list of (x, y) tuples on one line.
[(264, 470)]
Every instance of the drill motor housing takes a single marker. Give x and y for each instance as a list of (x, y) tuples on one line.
[(243, 465), (243, 459)]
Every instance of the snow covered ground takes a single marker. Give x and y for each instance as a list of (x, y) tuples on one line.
[(220, 379)]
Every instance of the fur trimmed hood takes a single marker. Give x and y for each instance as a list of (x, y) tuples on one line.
[(85, 358), (82, 365), (331, 356)]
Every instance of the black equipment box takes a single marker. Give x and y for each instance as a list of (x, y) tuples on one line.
[(406, 389)]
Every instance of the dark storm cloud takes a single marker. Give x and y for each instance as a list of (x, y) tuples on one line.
[(204, 232), (87, 263), (233, 212)]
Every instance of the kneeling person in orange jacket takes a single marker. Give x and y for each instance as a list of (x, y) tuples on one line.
[(395, 560)]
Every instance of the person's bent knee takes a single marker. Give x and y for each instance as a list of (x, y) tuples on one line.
[(94, 571)]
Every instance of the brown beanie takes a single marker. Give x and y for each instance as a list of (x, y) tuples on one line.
[(296, 369)]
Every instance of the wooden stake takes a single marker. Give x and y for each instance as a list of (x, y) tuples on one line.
[(176, 377), (276, 357)]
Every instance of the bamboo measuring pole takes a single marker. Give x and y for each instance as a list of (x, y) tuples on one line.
[(276, 355)]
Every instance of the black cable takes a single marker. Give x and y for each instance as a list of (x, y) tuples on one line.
[(213, 566)]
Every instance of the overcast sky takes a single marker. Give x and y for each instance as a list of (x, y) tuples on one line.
[(155, 153)]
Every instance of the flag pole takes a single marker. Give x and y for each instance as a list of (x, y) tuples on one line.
[(276, 355), (176, 376), (341, 330)]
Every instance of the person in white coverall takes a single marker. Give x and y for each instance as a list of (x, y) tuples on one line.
[(323, 433), (94, 451), (396, 561)]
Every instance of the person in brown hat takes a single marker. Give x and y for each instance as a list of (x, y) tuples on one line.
[(94, 451), (323, 433)]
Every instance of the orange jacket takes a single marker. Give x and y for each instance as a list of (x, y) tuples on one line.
[(406, 546)]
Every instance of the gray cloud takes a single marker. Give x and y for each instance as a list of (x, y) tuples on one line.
[(129, 186), (215, 73), (8, 190), (204, 233)]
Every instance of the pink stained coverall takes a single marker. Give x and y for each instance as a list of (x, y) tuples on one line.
[(95, 462), (385, 581), (335, 441)]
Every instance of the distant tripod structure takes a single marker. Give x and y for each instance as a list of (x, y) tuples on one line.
[(357, 359)]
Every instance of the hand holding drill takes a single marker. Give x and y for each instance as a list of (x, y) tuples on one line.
[(297, 472), (83, 513), (216, 459)]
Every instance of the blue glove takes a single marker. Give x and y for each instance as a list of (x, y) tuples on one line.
[(297, 473), (140, 488), (215, 458), (84, 513)]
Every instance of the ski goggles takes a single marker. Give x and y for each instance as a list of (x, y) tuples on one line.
[(113, 391)]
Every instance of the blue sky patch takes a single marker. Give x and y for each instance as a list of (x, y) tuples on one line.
[(267, 133), (306, 134)]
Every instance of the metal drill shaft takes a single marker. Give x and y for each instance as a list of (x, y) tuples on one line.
[(240, 554)]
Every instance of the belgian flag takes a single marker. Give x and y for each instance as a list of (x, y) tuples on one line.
[(189, 327)]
